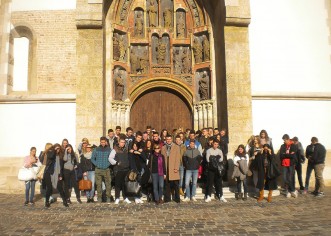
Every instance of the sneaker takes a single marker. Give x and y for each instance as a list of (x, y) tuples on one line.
[(288, 194), (79, 201), (47, 204), (222, 199), (88, 200), (92, 200), (26, 203), (141, 201), (294, 194), (31, 203), (186, 199), (69, 201), (194, 199), (136, 200), (320, 194), (65, 204), (117, 201), (127, 201), (305, 191), (208, 199), (314, 193)]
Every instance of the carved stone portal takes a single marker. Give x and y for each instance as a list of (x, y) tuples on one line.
[(119, 82), (152, 13), (182, 60), (139, 23), (203, 84), (139, 60), (197, 50), (119, 47)]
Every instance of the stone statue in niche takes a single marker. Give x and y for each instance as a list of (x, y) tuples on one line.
[(119, 86), (167, 16), (134, 62), (206, 48), (122, 48), (116, 50), (177, 62), (181, 26), (161, 52), (144, 63), (204, 86), (197, 50), (139, 25), (152, 13), (186, 62)]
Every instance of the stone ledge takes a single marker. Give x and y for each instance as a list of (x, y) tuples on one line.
[(37, 98), (291, 96)]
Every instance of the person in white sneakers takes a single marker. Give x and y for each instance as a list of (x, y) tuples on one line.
[(191, 161), (214, 155), (119, 157)]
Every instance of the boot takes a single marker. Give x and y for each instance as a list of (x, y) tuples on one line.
[(245, 197), (261, 196), (269, 196), (65, 203), (181, 193), (236, 195)]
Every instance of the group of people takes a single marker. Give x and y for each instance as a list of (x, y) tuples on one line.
[(169, 165)]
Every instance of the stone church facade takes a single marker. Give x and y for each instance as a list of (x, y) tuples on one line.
[(116, 59)]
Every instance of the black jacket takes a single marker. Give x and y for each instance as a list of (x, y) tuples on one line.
[(86, 164), (153, 164), (271, 173), (50, 163), (319, 154), (292, 155), (192, 159)]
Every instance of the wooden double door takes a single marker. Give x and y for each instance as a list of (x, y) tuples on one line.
[(161, 109)]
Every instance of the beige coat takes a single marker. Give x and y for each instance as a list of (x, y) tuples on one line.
[(174, 161)]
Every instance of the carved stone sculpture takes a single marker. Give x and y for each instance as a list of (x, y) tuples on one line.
[(206, 49), (186, 62), (204, 87), (167, 16), (116, 50), (152, 13), (119, 86), (144, 63), (180, 27), (177, 62), (122, 48), (161, 52), (139, 25), (197, 51), (134, 62)]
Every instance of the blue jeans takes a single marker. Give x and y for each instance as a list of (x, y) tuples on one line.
[(310, 169), (288, 176), (194, 175), (29, 185), (181, 176), (158, 184), (239, 184), (91, 177)]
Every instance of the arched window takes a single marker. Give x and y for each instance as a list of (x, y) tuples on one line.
[(21, 63)]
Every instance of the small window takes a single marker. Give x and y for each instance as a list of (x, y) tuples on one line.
[(21, 64)]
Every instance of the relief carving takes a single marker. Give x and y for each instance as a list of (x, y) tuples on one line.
[(119, 47), (152, 14), (139, 60), (180, 24), (186, 61), (197, 50), (177, 61), (139, 24), (167, 15), (124, 11), (204, 86), (206, 48), (161, 52), (119, 85), (195, 12)]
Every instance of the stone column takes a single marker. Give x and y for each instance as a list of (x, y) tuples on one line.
[(205, 114), (210, 114), (196, 117), (5, 14), (127, 115), (200, 112)]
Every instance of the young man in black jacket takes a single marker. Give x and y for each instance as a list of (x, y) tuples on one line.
[(318, 159), (288, 159)]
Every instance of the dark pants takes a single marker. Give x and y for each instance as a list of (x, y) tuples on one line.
[(49, 188), (169, 185), (101, 174), (288, 173), (298, 169), (120, 184), (69, 177), (214, 179), (239, 181)]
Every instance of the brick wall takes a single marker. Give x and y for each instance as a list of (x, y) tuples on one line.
[(56, 36)]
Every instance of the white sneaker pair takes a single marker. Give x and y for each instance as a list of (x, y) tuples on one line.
[(294, 194), (222, 199), (126, 200), (194, 199), (288, 194), (186, 199), (138, 201), (208, 199)]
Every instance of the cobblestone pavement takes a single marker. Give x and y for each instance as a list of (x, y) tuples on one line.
[(306, 215)]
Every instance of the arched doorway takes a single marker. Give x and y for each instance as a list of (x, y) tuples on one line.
[(162, 109)]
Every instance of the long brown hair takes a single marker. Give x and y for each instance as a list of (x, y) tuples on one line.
[(61, 154), (266, 135), (237, 153)]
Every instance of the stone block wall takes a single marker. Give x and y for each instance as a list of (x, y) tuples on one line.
[(56, 34)]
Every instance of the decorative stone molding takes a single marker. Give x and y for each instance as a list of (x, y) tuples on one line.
[(204, 114), (120, 113)]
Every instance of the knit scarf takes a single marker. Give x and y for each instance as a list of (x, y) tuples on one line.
[(57, 170), (88, 155)]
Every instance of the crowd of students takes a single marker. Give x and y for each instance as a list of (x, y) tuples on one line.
[(161, 161)]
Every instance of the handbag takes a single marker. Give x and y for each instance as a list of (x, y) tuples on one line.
[(85, 184), (132, 176), (132, 187), (26, 174), (41, 171), (221, 169)]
